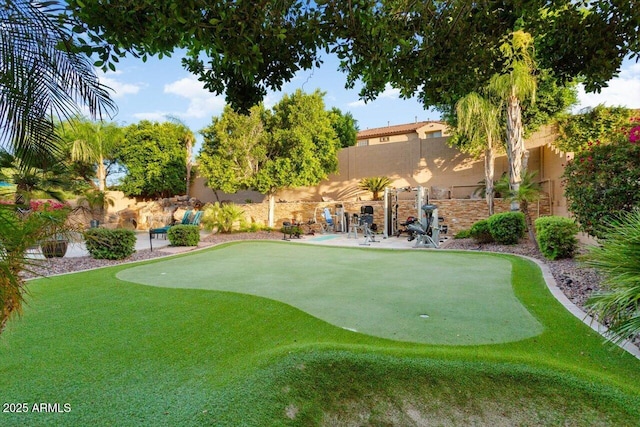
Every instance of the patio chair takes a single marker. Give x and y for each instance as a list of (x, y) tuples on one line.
[(197, 217), (162, 231), (329, 225)]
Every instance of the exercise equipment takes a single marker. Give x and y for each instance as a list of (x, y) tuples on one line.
[(427, 231), (391, 202)]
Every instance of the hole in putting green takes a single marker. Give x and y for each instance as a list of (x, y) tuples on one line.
[(468, 296)]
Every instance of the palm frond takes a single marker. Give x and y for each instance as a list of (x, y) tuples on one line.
[(41, 77)]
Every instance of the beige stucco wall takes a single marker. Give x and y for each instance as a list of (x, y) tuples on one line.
[(430, 162)]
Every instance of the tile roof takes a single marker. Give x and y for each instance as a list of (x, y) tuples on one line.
[(393, 130)]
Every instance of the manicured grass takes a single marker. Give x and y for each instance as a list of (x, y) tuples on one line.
[(126, 354), (372, 292)]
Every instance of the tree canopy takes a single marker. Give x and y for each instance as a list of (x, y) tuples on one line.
[(154, 157), (438, 50), (292, 145)]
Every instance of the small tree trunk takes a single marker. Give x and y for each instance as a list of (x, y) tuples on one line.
[(489, 172), (524, 208), (102, 174)]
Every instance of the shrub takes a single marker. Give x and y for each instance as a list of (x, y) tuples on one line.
[(480, 232), (618, 260), (556, 236), (507, 227), (103, 243), (604, 180), (221, 216), (184, 235), (462, 234)]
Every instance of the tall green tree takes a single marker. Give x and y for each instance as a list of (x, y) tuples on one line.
[(189, 140), (345, 127), (93, 142), (234, 149), (154, 157), (478, 126), (293, 145), (439, 50), (302, 147), (515, 83)]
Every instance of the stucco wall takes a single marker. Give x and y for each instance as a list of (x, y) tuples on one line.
[(429, 162)]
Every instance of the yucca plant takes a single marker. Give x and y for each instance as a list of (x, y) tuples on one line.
[(618, 259), (375, 184)]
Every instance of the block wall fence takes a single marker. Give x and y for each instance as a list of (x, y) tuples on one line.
[(458, 214)]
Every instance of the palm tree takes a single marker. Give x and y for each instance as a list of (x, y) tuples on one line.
[(512, 86), (374, 184), (479, 123), (189, 139), (42, 76), (92, 142)]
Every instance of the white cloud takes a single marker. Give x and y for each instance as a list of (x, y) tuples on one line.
[(390, 93), (356, 104), (202, 103), (387, 93), (119, 88), (623, 91)]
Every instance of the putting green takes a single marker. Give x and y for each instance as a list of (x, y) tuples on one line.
[(419, 296)]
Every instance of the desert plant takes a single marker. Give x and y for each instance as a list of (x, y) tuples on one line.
[(97, 202), (103, 243), (618, 259), (221, 216), (184, 235), (374, 184), (556, 236), (507, 227), (480, 232)]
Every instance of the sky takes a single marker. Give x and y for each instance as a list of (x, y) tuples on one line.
[(159, 89)]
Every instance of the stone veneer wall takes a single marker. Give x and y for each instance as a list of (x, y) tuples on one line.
[(458, 214)]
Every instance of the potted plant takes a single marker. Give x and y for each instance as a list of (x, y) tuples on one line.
[(96, 202), (53, 217)]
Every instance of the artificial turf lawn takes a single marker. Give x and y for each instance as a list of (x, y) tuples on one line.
[(126, 354), (468, 298)]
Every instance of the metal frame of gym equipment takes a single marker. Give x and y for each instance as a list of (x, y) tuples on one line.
[(366, 222), (391, 206), (428, 221)]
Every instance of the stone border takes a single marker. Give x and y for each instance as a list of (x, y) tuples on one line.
[(577, 311)]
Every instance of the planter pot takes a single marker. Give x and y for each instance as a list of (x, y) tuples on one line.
[(54, 248)]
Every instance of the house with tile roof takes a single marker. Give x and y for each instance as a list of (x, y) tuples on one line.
[(402, 133)]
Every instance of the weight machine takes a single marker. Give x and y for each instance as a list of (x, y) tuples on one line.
[(391, 199)]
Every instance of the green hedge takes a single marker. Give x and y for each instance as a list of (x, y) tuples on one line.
[(184, 235), (507, 227), (103, 243), (462, 234), (556, 236), (480, 232)]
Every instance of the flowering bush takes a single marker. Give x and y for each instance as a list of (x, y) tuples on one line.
[(54, 216), (604, 179)]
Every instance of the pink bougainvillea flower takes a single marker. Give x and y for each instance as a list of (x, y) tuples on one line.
[(634, 135)]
